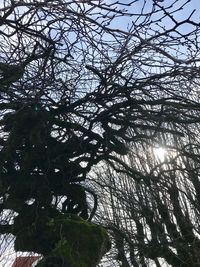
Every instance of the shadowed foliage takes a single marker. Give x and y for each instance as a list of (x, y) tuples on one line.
[(88, 85)]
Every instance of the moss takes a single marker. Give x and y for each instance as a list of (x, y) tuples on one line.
[(82, 244)]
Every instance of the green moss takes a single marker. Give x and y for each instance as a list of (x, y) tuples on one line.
[(82, 244)]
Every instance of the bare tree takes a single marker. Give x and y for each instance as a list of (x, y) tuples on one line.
[(154, 220), (77, 88)]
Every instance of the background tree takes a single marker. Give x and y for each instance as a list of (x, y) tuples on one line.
[(77, 88), (154, 221)]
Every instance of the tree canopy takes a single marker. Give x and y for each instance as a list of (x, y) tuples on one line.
[(84, 85)]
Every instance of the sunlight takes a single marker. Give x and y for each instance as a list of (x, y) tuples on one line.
[(160, 153)]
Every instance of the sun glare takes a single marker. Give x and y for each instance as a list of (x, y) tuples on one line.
[(160, 153)]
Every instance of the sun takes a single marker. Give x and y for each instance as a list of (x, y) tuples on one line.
[(160, 153)]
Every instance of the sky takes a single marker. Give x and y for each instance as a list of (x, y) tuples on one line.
[(180, 15), (122, 23)]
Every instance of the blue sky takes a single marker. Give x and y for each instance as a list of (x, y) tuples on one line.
[(123, 22), (136, 8)]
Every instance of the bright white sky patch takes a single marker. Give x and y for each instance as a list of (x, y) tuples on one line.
[(160, 153)]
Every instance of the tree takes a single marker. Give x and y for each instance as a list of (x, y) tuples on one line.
[(75, 91), (154, 221)]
